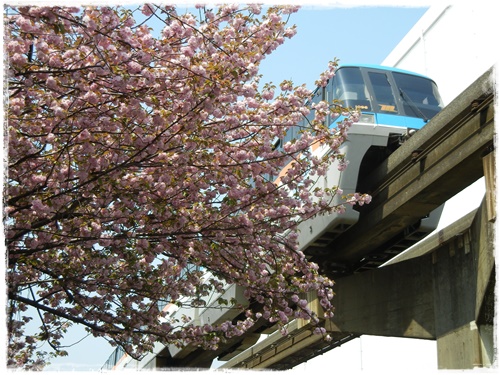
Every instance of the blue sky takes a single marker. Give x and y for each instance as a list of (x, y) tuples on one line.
[(354, 35)]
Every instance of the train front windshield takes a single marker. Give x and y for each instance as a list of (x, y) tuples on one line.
[(387, 92)]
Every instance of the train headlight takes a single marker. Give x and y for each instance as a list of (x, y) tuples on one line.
[(367, 118)]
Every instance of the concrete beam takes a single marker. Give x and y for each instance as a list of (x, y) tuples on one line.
[(389, 301)]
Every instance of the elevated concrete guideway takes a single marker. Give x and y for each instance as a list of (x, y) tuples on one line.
[(436, 163)]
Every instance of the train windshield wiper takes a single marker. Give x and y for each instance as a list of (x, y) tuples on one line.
[(410, 102)]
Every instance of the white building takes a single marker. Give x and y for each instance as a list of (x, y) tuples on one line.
[(454, 44)]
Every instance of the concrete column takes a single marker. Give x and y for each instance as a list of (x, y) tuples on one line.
[(464, 283), (461, 348)]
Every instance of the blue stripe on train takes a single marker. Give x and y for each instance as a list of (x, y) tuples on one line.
[(403, 121), (392, 120)]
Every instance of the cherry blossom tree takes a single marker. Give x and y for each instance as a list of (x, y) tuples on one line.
[(139, 174)]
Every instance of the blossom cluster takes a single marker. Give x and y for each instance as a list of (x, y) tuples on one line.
[(138, 164)]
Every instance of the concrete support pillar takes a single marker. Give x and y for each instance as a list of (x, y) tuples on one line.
[(461, 348), (466, 347), (488, 354), (490, 181), (464, 284)]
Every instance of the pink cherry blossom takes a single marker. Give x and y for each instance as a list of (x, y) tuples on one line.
[(138, 175)]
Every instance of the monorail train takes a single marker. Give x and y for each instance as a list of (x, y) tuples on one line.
[(387, 96), (393, 103)]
